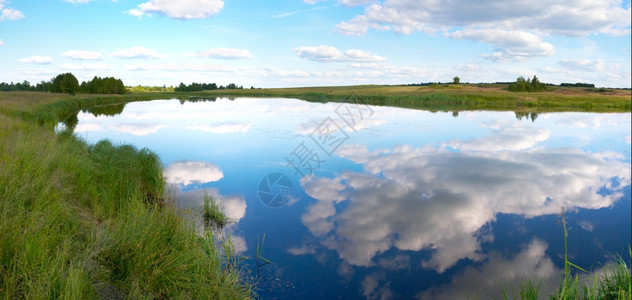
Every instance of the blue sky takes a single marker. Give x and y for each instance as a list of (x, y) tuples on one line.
[(288, 43)]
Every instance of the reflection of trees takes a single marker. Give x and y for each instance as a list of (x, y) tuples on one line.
[(106, 110), (526, 115), (195, 99)]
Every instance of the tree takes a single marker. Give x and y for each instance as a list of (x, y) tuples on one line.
[(65, 83), (456, 80)]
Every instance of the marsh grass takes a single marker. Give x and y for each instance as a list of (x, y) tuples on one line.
[(213, 215), (88, 221)]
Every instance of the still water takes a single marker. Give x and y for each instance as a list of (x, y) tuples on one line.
[(379, 202)]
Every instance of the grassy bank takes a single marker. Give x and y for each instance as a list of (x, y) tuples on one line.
[(89, 221), (453, 97)]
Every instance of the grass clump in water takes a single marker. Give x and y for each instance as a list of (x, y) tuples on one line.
[(213, 214)]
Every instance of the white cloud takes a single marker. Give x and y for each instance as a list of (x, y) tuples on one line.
[(508, 45), (187, 172), (331, 54), (179, 9), (582, 64), (83, 55), (137, 13), (137, 52), (87, 67), (1, 43), (222, 53), (222, 127), (10, 14), (559, 17), (138, 129), (40, 60)]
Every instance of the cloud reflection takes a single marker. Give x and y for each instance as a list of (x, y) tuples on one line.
[(223, 127), (187, 172), (138, 129), (497, 273), (424, 198)]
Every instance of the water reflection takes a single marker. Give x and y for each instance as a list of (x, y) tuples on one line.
[(488, 280), (416, 198), (413, 205), (188, 172)]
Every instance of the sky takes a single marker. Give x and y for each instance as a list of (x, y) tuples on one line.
[(291, 43)]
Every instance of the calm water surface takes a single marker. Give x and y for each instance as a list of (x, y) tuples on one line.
[(381, 202)]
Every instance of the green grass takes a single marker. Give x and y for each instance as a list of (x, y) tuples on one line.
[(213, 214), (88, 221)]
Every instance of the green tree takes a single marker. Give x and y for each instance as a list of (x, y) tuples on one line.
[(65, 83), (456, 80)]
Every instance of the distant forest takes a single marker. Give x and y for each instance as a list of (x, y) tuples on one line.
[(68, 83)]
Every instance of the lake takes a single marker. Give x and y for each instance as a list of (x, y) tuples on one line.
[(376, 202)]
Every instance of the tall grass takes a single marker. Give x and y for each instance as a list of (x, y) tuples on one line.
[(89, 221)]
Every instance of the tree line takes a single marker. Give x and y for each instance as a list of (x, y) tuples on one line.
[(68, 83), (198, 87)]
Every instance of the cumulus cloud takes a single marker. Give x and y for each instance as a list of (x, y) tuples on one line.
[(514, 30), (1, 43), (582, 64), (9, 13), (429, 198), (222, 127), (83, 55), (187, 172), (40, 60), (508, 45), (560, 17), (331, 54), (137, 52), (222, 53), (138, 129), (179, 9)]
